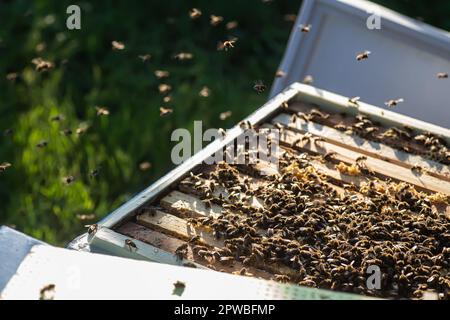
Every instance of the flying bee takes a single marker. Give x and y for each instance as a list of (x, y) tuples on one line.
[(145, 57), (94, 173), (42, 65), (12, 76), (215, 20), (144, 166), (231, 25), (308, 79), (47, 292), (225, 115), (183, 56), (442, 75), (393, 102), (57, 118), (227, 44), (84, 217), (67, 132), (363, 55), (4, 166), (195, 13), (179, 288), (102, 111), (354, 100), (116, 45), (205, 92), (164, 88), (160, 74), (280, 74), (42, 144), (165, 111), (68, 180), (259, 87), (130, 245), (305, 28), (92, 229)]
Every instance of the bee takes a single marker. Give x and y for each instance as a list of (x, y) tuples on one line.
[(4, 166), (215, 20), (393, 102), (102, 111), (189, 265), (164, 88), (354, 100), (361, 159), (179, 288), (245, 124), (281, 278), (83, 217), (116, 45), (222, 132), (42, 144), (42, 65), (67, 132), (231, 25), (181, 251), (183, 56), (8, 132), (205, 92), (94, 173), (316, 113), (92, 229), (130, 245), (195, 13), (363, 55), (165, 111), (285, 105), (259, 87), (81, 129), (305, 28), (145, 57), (225, 115), (12, 76), (47, 292), (227, 44), (290, 17), (57, 118), (68, 180), (160, 74), (280, 74), (442, 75), (417, 169), (167, 99), (308, 79), (144, 166)]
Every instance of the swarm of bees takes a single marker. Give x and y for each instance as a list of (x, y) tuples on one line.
[(328, 239)]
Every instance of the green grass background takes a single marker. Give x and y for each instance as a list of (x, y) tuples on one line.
[(88, 74)]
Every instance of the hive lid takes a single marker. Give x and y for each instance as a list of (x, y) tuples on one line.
[(406, 56)]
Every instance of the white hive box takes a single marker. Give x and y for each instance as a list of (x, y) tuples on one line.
[(406, 56)]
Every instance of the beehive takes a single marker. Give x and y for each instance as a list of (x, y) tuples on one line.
[(356, 186)]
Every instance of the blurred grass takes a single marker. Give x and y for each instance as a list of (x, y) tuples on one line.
[(88, 73)]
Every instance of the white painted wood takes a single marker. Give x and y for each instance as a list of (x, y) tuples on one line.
[(81, 275), (406, 56)]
